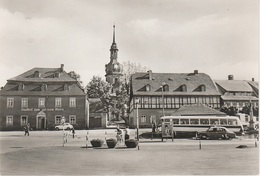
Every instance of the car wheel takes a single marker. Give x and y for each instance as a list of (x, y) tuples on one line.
[(57, 128), (68, 128), (226, 136)]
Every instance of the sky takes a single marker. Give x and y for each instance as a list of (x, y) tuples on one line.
[(216, 37)]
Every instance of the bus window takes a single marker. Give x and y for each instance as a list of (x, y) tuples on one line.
[(223, 121), (184, 121), (175, 121), (232, 121), (166, 120), (213, 121), (194, 121), (204, 121)]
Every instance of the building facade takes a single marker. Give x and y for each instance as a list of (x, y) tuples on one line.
[(41, 97), (161, 94), (237, 93)]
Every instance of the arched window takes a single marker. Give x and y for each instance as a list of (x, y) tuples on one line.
[(203, 88), (184, 88), (66, 87), (43, 87), (21, 86), (148, 87), (37, 74), (166, 88)]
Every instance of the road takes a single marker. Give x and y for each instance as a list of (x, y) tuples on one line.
[(42, 153)]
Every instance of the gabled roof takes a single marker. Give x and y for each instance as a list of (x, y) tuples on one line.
[(46, 75), (174, 81), (254, 84), (198, 109), (35, 89), (234, 85)]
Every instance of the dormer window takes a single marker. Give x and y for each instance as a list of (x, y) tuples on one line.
[(184, 88), (37, 74), (56, 75), (148, 87), (166, 88), (66, 87), (203, 88), (43, 87), (20, 87)]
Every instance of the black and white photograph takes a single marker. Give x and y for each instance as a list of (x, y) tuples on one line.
[(129, 87)]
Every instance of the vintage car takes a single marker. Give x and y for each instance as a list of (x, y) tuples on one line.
[(66, 126), (216, 133)]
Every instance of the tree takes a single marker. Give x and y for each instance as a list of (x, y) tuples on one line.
[(76, 76), (130, 68), (231, 111), (98, 88)]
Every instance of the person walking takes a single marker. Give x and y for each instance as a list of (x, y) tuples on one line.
[(127, 133), (26, 129)]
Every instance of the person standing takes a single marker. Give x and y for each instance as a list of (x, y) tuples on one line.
[(26, 129), (127, 133)]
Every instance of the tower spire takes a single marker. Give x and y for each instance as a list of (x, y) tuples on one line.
[(114, 35)]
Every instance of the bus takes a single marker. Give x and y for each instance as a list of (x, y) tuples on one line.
[(190, 125)]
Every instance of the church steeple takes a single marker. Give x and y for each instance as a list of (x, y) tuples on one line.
[(113, 49), (113, 68), (114, 35)]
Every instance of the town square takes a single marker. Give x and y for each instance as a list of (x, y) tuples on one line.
[(140, 87)]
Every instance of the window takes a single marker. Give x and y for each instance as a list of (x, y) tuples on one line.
[(21, 87), (10, 102), (204, 121), (57, 119), (9, 120), (194, 121), (72, 119), (175, 121), (41, 102), (43, 87), (184, 88), (148, 88), (73, 102), (214, 121), (184, 121), (143, 118), (166, 88), (203, 88), (57, 102), (223, 121), (24, 103), (24, 120)]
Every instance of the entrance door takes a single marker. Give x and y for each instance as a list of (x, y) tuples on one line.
[(41, 123)]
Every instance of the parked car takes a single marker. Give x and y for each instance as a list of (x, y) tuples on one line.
[(67, 126), (216, 133)]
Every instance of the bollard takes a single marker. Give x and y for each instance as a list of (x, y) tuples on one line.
[(87, 141), (200, 144), (105, 135), (255, 143)]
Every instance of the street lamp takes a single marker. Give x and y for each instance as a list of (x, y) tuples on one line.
[(137, 120), (162, 87)]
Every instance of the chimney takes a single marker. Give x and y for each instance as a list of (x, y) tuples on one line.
[(196, 72), (62, 67), (253, 79), (150, 74), (230, 77)]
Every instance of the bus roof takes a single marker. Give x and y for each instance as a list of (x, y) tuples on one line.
[(199, 117)]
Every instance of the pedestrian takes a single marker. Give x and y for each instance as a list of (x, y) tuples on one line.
[(27, 129), (73, 132), (118, 134), (127, 133), (153, 127)]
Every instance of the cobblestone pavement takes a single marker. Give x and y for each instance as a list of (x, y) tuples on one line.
[(42, 153)]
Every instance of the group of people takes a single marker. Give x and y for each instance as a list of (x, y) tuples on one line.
[(119, 134)]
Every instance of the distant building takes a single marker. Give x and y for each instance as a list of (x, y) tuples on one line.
[(237, 93), (41, 97), (162, 94)]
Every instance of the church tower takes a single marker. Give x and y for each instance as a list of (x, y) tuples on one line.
[(114, 68)]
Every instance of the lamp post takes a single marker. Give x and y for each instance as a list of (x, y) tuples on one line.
[(137, 120), (162, 86)]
